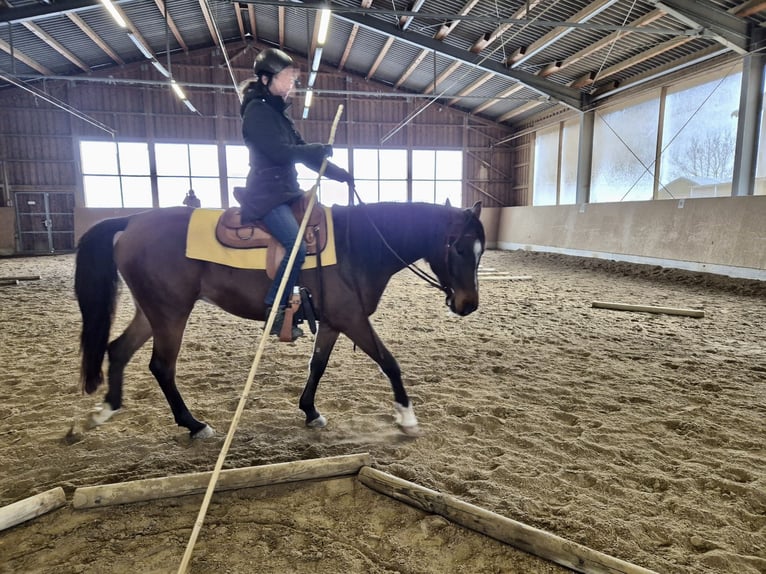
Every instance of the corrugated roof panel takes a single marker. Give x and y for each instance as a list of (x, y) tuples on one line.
[(67, 33), (367, 47), (337, 38), (299, 29), (396, 62), (267, 23), (30, 45)]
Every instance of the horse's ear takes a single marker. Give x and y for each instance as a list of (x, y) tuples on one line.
[(447, 203), (476, 209)]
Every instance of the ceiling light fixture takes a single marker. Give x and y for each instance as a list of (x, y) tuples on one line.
[(160, 68), (177, 89), (140, 45), (324, 25), (115, 14)]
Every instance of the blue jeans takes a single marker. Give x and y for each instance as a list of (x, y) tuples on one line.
[(281, 223)]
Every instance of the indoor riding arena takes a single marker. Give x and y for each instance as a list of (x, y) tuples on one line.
[(601, 410)]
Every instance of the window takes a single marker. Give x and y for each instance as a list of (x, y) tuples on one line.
[(437, 176), (544, 186), (237, 166), (381, 174), (115, 174), (624, 148), (330, 192), (181, 167), (699, 138)]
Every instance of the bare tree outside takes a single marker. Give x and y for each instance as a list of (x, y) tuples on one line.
[(709, 155)]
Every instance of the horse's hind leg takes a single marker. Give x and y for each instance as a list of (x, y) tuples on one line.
[(120, 351), (167, 343), (367, 339), (323, 346)]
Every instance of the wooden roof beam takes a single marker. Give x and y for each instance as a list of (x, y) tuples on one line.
[(98, 40), (45, 37), (486, 39), (352, 37), (171, 24), (430, 88), (591, 10), (519, 110), (379, 60), (470, 89), (24, 59), (411, 68), (492, 101)]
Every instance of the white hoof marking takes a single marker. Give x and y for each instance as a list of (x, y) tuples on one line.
[(318, 423), (405, 417), (102, 414), (206, 432)]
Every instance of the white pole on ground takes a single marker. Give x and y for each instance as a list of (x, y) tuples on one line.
[(31, 507), (251, 376)]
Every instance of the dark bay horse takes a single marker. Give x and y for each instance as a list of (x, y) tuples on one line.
[(373, 242)]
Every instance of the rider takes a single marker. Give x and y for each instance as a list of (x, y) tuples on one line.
[(275, 147)]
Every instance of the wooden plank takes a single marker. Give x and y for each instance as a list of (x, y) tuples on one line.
[(230, 479), (31, 507), (505, 277), (696, 313), (21, 278), (527, 538)]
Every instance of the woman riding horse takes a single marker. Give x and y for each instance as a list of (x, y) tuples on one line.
[(275, 147)]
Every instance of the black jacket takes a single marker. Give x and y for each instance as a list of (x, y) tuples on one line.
[(275, 147)]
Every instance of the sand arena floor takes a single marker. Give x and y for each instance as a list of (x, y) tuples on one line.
[(638, 435)]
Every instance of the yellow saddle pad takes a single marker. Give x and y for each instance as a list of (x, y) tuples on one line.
[(201, 244)]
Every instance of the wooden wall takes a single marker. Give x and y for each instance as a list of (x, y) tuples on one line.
[(39, 141)]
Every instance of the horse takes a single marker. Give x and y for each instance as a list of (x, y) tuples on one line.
[(372, 242)]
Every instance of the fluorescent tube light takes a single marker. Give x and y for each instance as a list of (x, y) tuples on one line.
[(324, 25), (160, 68), (140, 45), (177, 89), (190, 106), (317, 59), (115, 14), (312, 79), (309, 97)]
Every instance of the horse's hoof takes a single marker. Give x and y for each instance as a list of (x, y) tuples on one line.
[(318, 423), (413, 431), (205, 432), (102, 414)]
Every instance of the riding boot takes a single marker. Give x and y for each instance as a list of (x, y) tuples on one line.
[(279, 320)]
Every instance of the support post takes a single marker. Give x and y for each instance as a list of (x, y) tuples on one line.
[(749, 124), (585, 156)]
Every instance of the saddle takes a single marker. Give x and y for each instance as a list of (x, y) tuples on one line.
[(231, 232)]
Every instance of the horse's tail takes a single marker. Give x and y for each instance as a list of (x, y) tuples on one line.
[(96, 285)]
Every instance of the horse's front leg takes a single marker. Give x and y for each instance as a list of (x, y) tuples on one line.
[(323, 346), (367, 339)]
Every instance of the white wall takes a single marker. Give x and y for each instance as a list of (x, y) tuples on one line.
[(724, 235)]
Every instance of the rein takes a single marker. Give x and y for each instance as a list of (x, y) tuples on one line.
[(430, 280)]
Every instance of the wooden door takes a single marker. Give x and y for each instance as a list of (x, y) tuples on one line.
[(45, 221)]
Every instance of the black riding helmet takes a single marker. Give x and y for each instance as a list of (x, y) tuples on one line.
[(271, 61)]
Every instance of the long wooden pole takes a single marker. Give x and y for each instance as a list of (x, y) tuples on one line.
[(229, 479), (696, 313), (527, 538), (256, 361), (31, 507)]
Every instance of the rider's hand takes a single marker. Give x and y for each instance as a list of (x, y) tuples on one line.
[(327, 149)]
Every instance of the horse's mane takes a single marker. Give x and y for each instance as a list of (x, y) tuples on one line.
[(406, 225)]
